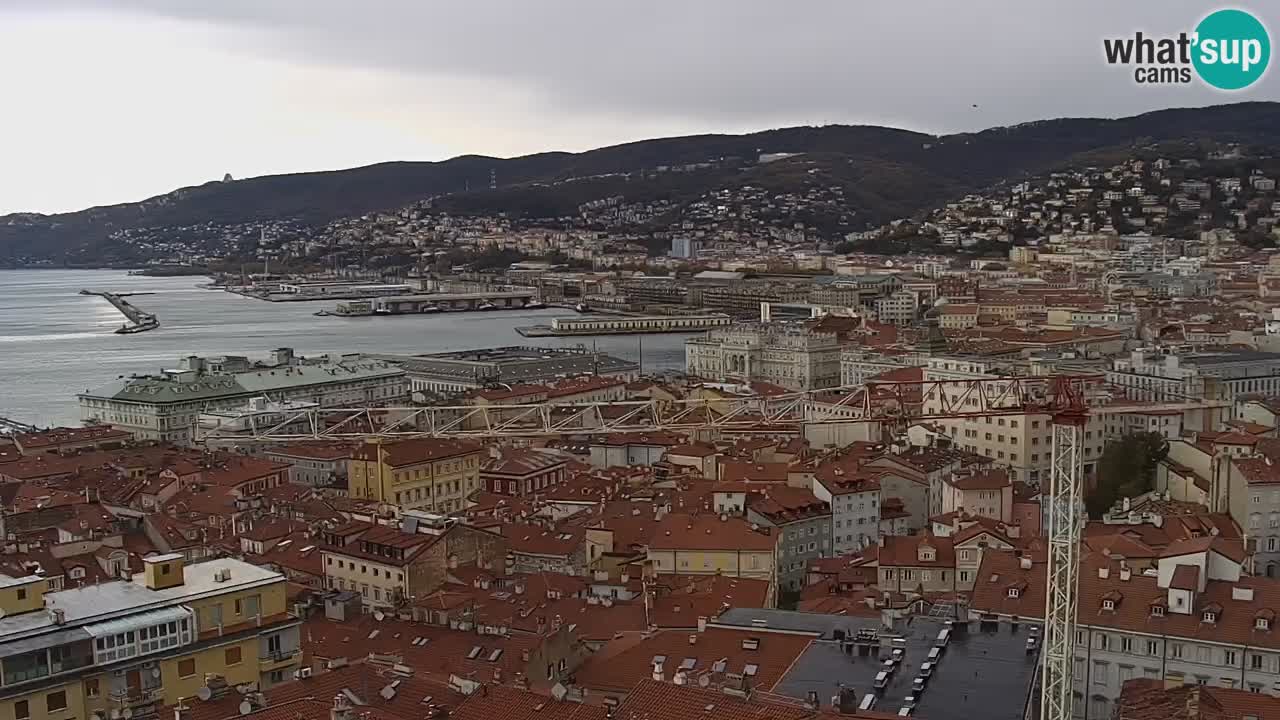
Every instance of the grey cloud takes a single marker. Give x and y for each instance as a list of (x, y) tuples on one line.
[(738, 63)]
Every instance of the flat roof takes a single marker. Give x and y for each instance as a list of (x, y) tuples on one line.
[(106, 601), (984, 672)]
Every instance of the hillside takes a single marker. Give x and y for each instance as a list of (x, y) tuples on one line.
[(886, 173)]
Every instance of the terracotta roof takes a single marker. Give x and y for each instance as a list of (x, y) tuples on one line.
[(623, 662), (1150, 699), (421, 450), (708, 532), (1185, 577), (736, 470), (899, 550), (503, 703)]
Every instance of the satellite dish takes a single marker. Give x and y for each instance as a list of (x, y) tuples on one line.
[(377, 615), (246, 707), (204, 693), (703, 681), (155, 672)]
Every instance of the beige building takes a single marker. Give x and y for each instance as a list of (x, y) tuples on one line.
[(424, 474), (708, 545), (1022, 443), (787, 355)]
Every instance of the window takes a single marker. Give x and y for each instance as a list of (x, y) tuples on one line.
[(233, 655), (1176, 651), (56, 701), (1126, 644), (22, 593), (1229, 657), (1255, 662), (1153, 647), (1099, 672), (1100, 641), (91, 687), (187, 667), (21, 710)]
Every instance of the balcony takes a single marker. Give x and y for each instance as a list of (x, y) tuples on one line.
[(135, 697), (278, 659)]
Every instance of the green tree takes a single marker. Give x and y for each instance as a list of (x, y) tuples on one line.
[(1127, 469)]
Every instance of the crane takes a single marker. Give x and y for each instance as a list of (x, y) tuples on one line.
[(1063, 398)]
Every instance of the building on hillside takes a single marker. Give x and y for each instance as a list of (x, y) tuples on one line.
[(132, 646), (429, 474)]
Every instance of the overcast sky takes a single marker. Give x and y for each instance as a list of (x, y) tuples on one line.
[(118, 100)]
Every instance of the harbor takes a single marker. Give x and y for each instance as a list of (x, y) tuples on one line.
[(139, 321), (626, 325)]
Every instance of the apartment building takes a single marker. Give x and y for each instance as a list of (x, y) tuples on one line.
[(390, 564), (788, 355), (802, 523), (1021, 443), (986, 492), (854, 497), (423, 474), (132, 646), (1193, 618), (899, 308), (707, 544), (523, 471), (167, 406)]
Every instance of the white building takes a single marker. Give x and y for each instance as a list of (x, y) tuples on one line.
[(167, 406), (787, 355)]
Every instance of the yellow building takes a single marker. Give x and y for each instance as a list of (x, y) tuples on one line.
[(706, 544), (424, 474), (98, 651)]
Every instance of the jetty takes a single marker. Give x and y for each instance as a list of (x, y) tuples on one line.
[(139, 321)]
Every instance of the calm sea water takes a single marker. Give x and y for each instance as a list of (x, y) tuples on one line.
[(55, 342)]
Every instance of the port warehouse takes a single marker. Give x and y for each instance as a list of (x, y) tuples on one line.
[(343, 288), (633, 324), (436, 301), (652, 323)]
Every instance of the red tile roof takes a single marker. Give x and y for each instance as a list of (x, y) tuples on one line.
[(623, 662), (1149, 699), (708, 532)]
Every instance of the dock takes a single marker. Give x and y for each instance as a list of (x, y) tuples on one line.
[(427, 303), (628, 325), (139, 321)]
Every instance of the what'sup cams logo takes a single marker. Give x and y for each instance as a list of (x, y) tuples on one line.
[(1229, 50)]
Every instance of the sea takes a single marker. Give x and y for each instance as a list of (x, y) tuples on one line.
[(55, 342)]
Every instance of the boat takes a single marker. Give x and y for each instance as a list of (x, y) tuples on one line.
[(486, 306), (582, 307), (381, 311), (430, 309), (535, 305), (322, 313)]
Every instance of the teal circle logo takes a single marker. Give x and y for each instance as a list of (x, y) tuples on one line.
[(1231, 50)]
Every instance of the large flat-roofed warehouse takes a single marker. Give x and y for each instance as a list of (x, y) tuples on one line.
[(462, 370), (983, 670)]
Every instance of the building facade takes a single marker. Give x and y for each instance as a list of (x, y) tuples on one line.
[(429, 474), (167, 406), (790, 356), (135, 645)]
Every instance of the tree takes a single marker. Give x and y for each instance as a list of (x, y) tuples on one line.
[(1127, 469)]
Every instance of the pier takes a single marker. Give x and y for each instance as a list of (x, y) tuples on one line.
[(141, 321), (439, 302), (629, 325)]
